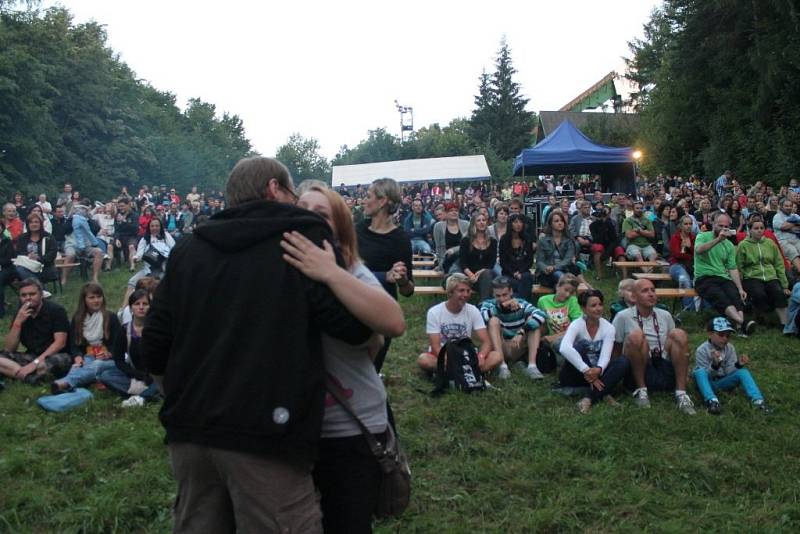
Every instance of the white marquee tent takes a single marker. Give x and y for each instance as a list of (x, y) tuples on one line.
[(461, 168)]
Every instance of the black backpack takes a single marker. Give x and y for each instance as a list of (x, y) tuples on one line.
[(457, 366)]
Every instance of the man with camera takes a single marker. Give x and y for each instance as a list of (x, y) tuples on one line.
[(716, 278), (658, 352)]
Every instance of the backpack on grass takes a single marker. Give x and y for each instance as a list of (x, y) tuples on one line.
[(457, 367)]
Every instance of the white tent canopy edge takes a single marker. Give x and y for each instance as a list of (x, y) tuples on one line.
[(462, 168)]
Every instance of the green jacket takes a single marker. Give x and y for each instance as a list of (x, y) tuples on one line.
[(760, 260)]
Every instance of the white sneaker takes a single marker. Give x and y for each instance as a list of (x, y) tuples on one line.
[(533, 372), (133, 401), (503, 373), (640, 398), (685, 404)]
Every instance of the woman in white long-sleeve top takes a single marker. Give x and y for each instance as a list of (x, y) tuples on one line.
[(587, 347)]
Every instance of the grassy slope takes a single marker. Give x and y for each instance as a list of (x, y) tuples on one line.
[(511, 460)]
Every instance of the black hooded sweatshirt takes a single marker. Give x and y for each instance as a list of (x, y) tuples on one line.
[(235, 331)]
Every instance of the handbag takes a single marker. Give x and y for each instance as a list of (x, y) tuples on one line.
[(395, 487), (153, 258)]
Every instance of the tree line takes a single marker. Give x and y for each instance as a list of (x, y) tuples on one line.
[(72, 111), (719, 88)]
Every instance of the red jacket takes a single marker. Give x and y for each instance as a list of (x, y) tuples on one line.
[(675, 253)]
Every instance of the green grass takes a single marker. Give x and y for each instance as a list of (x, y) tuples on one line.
[(516, 459)]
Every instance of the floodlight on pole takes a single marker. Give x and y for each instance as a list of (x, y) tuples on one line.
[(406, 119), (637, 155)]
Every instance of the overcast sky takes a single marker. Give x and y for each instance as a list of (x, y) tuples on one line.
[(332, 70)]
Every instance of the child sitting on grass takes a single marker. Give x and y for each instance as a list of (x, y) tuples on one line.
[(718, 368)]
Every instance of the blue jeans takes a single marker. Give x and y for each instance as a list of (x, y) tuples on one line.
[(420, 246), (679, 273), (87, 374), (118, 381), (707, 386), (524, 286)]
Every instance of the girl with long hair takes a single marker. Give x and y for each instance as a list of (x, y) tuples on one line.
[(128, 376), (516, 256), (347, 473), (92, 331), (478, 255), (557, 252), (37, 245)]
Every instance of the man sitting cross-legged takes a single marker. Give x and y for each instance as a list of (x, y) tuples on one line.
[(456, 319), (514, 327), (658, 352), (42, 327)]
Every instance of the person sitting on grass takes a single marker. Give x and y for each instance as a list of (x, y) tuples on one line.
[(456, 319), (658, 352), (41, 326), (156, 240), (719, 368), (586, 347), (37, 245), (8, 273), (561, 309), (128, 376), (514, 327), (92, 332)]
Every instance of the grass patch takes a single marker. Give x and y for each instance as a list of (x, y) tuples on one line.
[(517, 459)]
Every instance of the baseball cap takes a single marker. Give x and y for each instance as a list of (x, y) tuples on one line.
[(720, 324)]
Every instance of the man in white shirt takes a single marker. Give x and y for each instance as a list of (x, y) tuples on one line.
[(787, 230), (456, 319), (658, 352)]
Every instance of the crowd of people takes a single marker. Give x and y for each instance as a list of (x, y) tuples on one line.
[(281, 297)]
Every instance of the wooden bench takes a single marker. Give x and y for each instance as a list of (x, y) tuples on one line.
[(427, 273), (653, 277), (423, 263), (674, 294), (439, 290), (623, 266)]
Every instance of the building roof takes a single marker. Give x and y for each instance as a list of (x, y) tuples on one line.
[(550, 120), (462, 168)]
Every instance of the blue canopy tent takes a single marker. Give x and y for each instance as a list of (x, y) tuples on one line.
[(567, 151)]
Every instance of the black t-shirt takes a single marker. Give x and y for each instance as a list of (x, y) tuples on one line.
[(450, 239), (37, 332), (381, 251), (476, 259)]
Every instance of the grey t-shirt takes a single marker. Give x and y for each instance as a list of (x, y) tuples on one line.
[(660, 320), (351, 367)]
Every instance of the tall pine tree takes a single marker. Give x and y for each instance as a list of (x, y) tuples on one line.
[(499, 119)]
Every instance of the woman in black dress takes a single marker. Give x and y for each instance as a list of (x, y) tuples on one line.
[(385, 247)]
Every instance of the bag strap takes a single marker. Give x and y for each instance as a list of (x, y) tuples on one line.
[(440, 384), (336, 392)]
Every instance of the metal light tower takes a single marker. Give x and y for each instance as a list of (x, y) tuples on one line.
[(406, 120)]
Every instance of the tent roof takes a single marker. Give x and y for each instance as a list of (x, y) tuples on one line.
[(567, 151), (414, 170)]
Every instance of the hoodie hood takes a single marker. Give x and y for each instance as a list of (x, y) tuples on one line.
[(239, 228)]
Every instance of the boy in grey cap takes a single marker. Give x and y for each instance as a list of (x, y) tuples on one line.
[(719, 368)]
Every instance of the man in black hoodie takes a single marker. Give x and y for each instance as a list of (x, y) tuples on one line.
[(235, 332)]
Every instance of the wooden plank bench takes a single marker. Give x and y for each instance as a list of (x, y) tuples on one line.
[(423, 263), (653, 277), (674, 294), (623, 266), (427, 273)]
